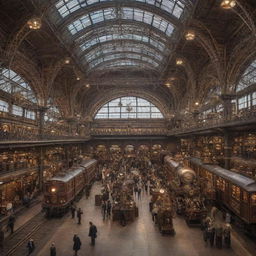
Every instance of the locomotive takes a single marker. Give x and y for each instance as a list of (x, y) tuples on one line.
[(61, 190), (183, 182)]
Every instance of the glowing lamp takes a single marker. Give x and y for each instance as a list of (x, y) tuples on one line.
[(179, 61), (161, 191), (34, 23), (190, 35), (67, 61), (53, 190), (228, 4)]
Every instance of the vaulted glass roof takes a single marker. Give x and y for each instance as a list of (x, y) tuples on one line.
[(122, 13), (140, 30), (123, 47), (129, 107), (174, 7), (14, 84), (131, 56)]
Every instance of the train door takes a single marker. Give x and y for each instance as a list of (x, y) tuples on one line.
[(245, 205)]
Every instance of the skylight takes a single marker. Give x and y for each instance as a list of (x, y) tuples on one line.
[(65, 7), (123, 13), (127, 108)]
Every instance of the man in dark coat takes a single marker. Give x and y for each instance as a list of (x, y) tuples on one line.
[(11, 222), (30, 246), (73, 211), (77, 244), (211, 235), (79, 215), (1, 240), (104, 209), (92, 233), (53, 251), (109, 206)]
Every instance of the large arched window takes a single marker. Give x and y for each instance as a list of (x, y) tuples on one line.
[(14, 84), (129, 108), (248, 78)]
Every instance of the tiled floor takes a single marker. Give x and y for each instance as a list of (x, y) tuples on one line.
[(140, 238)]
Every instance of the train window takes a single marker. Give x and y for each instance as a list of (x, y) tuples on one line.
[(253, 198), (221, 184), (245, 197), (236, 192)]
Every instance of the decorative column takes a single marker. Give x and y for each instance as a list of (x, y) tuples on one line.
[(70, 121), (41, 110), (41, 168), (227, 149), (227, 106)]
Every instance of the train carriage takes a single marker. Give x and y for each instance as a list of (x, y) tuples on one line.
[(61, 190), (233, 191), (89, 166)]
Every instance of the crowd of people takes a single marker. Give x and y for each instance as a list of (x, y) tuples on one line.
[(215, 232)]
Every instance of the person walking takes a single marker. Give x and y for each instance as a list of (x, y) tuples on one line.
[(109, 206), (73, 211), (104, 209), (77, 244), (30, 246), (79, 215), (53, 251), (139, 192), (11, 222), (93, 233)]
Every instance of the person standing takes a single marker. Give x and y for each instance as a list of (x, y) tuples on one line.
[(227, 235), (77, 244), (109, 206), (211, 235), (73, 211), (92, 233), (139, 192), (79, 215), (53, 251), (30, 246), (11, 222), (104, 209), (219, 233), (1, 239)]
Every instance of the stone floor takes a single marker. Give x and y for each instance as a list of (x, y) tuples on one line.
[(140, 238)]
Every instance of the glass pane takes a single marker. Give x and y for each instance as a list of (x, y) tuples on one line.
[(129, 107)]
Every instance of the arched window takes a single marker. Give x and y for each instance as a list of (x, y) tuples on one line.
[(14, 84), (129, 108), (248, 78)]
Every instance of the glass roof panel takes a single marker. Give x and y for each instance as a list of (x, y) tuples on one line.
[(105, 38), (67, 7), (122, 47), (248, 78), (128, 107), (126, 14), (12, 83), (132, 56)]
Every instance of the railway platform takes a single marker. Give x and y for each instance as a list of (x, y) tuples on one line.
[(139, 238)]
